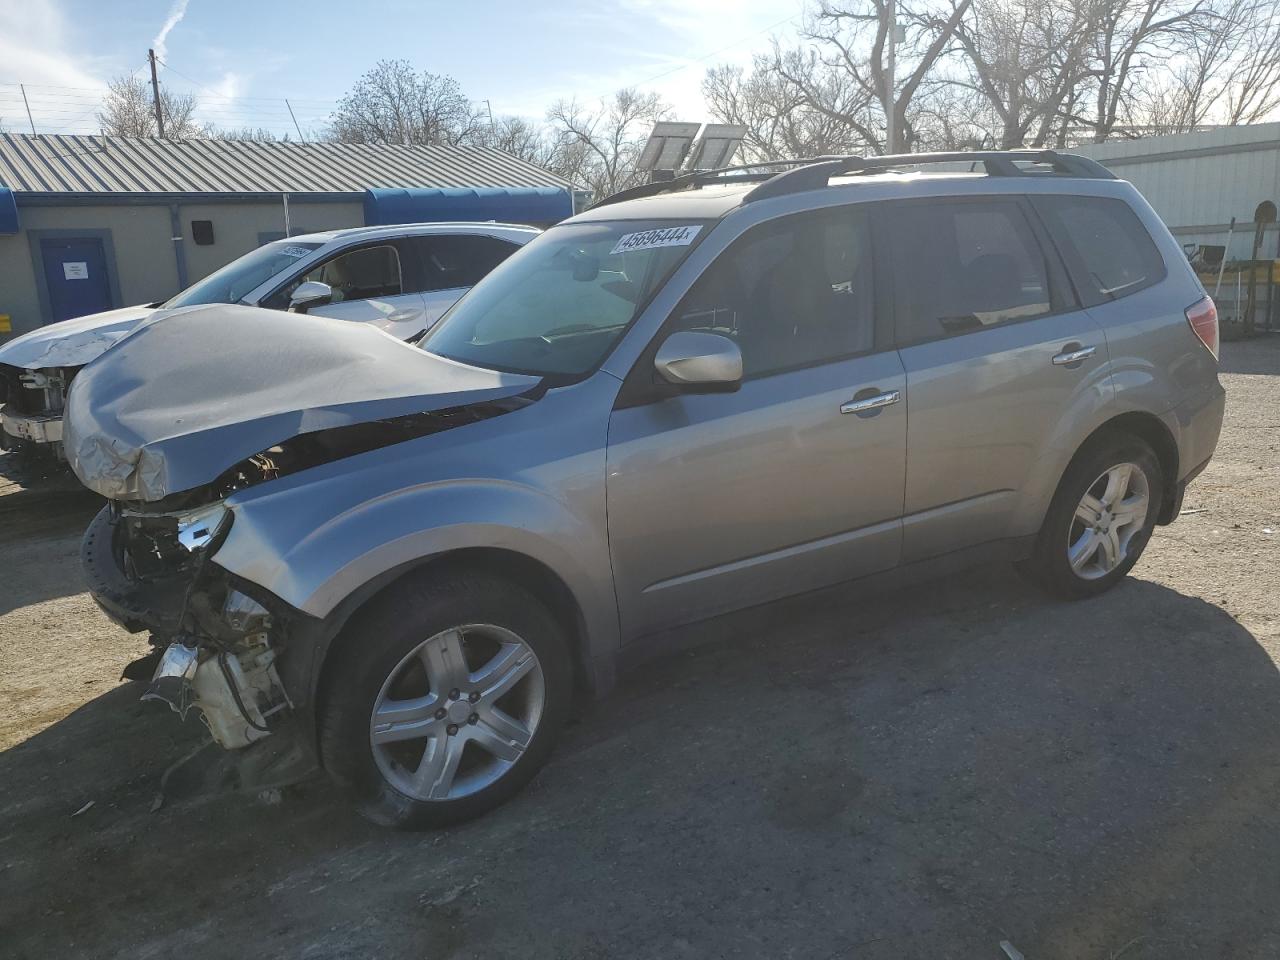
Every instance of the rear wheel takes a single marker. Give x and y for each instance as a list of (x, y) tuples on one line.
[(1100, 519), (444, 699)]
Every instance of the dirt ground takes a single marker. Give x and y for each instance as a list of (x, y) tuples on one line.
[(923, 774)]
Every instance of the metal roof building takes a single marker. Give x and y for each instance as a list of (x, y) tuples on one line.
[(98, 222)]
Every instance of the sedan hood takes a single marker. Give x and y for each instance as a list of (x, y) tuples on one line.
[(193, 393), (72, 343)]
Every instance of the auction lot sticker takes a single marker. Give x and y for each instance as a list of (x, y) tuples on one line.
[(649, 239)]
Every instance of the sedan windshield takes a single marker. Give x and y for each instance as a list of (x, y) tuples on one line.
[(559, 305), (232, 282)]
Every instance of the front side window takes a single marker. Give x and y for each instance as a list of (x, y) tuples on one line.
[(558, 306), (792, 292), (1115, 253), (361, 274), (453, 261), (963, 266), (232, 282)]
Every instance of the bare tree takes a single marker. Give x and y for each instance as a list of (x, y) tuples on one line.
[(519, 138), (393, 103), (128, 110), (781, 123), (597, 147), (1029, 60), (253, 134), (851, 60)]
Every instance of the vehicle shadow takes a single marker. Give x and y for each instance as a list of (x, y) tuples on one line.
[(920, 774)]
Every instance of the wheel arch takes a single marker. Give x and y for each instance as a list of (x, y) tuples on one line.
[(1153, 431), (591, 676)]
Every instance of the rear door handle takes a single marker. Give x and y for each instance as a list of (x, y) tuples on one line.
[(885, 399), (1073, 356)]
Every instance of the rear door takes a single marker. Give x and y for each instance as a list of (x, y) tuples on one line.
[(726, 500), (997, 356)]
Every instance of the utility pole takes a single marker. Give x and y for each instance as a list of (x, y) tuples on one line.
[(28, 106), (301, 138), (155, 92), (891, 120)]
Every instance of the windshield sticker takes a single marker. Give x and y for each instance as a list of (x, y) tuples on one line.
[(649, 239), (295, 252)]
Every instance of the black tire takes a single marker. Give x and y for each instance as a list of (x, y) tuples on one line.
[(1049, 565), (377, 642)]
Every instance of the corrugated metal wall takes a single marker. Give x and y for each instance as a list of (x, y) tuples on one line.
[(1198, 181)]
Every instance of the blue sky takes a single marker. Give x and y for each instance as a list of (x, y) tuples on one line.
[(243, 58)]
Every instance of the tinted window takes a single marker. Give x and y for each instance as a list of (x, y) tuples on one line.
[(560, 304), (1112, 253), (359, 274), (792, 292), (243, 274), (964, 266), (451, 262)]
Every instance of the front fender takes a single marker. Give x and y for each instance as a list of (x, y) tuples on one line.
[(319, 570)]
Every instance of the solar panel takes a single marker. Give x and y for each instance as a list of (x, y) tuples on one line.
[(717, 145), (667, 145)]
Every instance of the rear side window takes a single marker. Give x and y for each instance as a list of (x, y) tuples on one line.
[(449, 262), (1109, 250), (964, 266)]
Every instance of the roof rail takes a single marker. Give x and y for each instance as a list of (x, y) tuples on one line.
[(700, 177), (998, 163)]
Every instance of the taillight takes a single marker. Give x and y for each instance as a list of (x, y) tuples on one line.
[(1203, 317)]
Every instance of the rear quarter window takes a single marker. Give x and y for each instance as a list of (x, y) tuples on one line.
[(1110, 253)]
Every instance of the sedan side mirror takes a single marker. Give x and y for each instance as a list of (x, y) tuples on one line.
[(309, 294), (705, 362)]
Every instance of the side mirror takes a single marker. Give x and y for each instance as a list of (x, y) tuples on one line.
[(706, 361), (310, 294)]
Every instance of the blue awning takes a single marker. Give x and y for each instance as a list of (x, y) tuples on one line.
[(8, 212), (537, 205)]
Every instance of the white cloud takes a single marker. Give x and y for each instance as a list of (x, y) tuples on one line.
[(176, 13), (34, 47)]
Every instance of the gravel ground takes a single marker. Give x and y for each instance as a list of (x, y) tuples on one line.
[(922, 774)]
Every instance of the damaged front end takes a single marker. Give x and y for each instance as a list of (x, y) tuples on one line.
[(32, 405), (215, 643)]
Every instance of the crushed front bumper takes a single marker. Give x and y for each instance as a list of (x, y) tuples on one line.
[(220, 647)]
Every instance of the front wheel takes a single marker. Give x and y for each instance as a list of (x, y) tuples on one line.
[(1101, 518), (444, 699)]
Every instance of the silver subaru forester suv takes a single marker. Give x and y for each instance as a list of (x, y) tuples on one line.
[(401, 564)]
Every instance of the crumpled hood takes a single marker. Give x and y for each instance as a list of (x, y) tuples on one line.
[(72, 343), (193, 393)]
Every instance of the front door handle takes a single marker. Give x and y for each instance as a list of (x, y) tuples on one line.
[(1075, 354), (885, 399)]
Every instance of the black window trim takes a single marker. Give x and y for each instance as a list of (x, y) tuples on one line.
[(1062, 296), (393, 242), (1072, 260), (641, 388)]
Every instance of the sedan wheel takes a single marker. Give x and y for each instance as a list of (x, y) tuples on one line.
[(457, 712)]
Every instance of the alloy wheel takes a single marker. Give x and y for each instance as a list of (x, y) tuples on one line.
[(457, 712), (1111, 512)]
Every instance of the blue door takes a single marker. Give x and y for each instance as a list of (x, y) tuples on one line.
[(75, 274)]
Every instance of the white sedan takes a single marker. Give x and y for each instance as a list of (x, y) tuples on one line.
[(401, 279)]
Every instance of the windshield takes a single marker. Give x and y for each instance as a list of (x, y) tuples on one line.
[(240, 276), (558, 306)]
